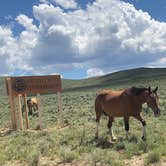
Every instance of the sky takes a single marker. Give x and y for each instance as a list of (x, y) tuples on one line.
[(81, 38)]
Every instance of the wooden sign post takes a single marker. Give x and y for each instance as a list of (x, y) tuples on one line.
[(61, 117), (20, 113), (39, 110), (12, 105), (26, 110), (21, 86)]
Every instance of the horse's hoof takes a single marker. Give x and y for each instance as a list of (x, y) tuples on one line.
[(114, 139)]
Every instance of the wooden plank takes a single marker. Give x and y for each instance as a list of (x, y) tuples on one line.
[(61, 117), (39, 111), (26, 111), (36, 84), (20, 113), (14, 113), (12, 105)]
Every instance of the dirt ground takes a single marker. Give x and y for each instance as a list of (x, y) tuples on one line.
[(140, 161)]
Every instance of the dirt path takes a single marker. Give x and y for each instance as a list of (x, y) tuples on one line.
[(44, 161), (140, 161), (47, 161), (135, 161)]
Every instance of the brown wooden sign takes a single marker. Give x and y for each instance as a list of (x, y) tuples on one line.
[(36, 84), (21, 86)]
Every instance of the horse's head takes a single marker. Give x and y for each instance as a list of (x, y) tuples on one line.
[(152, 100)]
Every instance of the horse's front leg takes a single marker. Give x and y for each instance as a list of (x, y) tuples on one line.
[(109, 125), (138, 117), (126, 122), (30, 110)]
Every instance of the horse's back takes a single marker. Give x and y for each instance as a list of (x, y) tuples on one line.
[(109, 93), (34, 100)]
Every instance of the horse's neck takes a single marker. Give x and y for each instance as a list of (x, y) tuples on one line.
[(140, 100)]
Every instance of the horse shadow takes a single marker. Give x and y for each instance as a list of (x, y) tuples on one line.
[(103, 143), (106, 142)]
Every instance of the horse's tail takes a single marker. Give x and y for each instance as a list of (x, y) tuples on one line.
[(99, 106)]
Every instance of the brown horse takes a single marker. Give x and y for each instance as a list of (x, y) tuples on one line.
[(125, 103), (32, 104)]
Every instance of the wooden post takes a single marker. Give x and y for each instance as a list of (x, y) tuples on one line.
[(61, 118), (26, 111), (39, 111), (20, 112), (12, 105)]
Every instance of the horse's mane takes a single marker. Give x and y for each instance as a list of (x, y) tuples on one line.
[(137, 91)]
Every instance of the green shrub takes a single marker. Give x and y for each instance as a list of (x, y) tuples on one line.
[(33, 158), (66, 155)]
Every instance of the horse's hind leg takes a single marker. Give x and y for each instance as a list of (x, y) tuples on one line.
[(30, 110), (98, 115), (109, 125)]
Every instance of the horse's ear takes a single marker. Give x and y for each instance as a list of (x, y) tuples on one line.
[(155, 90), (149, 89)]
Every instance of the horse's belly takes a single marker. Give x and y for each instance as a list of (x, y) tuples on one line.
[(116, 110), (117, 113)]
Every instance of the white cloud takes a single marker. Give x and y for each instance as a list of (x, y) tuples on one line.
[(44, 1), (7, 45), (26, 22), (16, 51), (109, 35), (66, 4), (93, 72), (158, 63)]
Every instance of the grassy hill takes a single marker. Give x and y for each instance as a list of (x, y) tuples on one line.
[(133, 76)]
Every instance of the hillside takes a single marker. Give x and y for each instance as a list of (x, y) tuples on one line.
[(133, 76)]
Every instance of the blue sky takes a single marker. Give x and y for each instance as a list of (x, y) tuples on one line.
[(157, 9), (53, 36)]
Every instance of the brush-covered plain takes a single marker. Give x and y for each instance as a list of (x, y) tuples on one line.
[(75, 144)]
